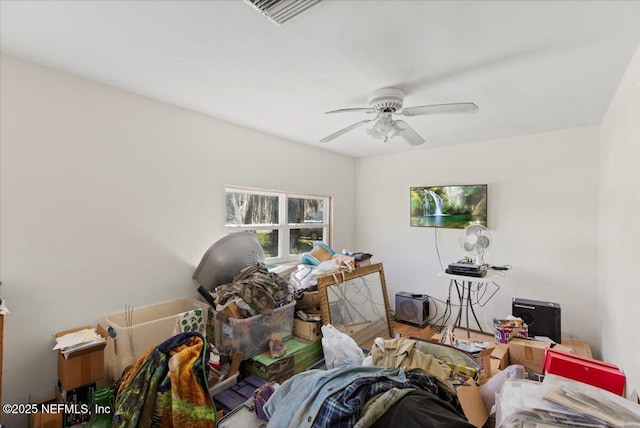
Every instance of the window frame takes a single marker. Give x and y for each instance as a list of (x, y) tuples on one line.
[(283, 227)]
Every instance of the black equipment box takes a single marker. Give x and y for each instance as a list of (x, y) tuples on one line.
[(542, 318)]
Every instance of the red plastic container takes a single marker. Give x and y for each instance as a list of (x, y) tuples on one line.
[(587, 370)]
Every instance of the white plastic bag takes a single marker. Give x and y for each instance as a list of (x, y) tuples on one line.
[(339, 349)]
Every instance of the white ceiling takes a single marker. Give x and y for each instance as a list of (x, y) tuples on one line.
[(530, 66)]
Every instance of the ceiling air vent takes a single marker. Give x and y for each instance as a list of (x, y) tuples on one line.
[(280, 11)]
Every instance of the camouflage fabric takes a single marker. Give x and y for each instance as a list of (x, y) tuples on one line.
[(259, 288)]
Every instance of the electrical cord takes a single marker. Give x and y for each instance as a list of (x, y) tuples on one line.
[(448, 311), (435, 234), (481, 288), (475, 297), (444, 318), (434, 315), (444, 315), (482, 305)]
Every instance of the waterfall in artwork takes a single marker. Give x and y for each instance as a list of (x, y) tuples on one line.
[(437, 201)]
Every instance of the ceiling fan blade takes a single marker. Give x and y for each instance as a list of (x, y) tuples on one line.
[(351, 110), (439, 109), (345, 130), (409, 134)]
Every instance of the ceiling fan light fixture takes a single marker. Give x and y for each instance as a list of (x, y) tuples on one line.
[(384, 128)]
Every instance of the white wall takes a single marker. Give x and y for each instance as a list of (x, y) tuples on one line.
[(543, 214), (619, 231), (109, 198)]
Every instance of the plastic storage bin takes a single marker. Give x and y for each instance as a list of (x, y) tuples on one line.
[(251, 335), (150, 326)]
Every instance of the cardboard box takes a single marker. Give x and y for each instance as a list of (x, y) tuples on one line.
[(503, 334), (307, 330), (267, 368), (578, 346), (472, 404), (501, 354), (530, 353), (298, 358), (82, 367), (363, 263), (484, 361), (45, 420), (581, 348), (309, 300), (495, 367), (308, 355)]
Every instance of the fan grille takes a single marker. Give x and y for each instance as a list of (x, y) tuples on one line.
[(475, 238)]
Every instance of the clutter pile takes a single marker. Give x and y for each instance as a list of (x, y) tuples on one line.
[(337, 397), (400, 383), (558, 401), (254, 290), (321, 261), (322, 376), (322, 253)]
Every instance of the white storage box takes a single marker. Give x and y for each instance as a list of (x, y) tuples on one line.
[(251, 335), (150, 326)]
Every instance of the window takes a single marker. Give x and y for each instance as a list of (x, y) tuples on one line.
[(286, 224)]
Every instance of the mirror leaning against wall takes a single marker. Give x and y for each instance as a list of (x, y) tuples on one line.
[(356, 303)]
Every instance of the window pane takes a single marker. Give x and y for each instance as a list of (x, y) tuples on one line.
[(301, 240), (268, 241), (303, 210), (246, 208)]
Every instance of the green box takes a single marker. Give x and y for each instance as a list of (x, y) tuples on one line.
[(307, 356), (277, 371), (298, 358)]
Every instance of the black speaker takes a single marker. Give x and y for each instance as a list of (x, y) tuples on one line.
[(412, 308), (543, 318)]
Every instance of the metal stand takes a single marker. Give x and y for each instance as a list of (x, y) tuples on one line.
[(463, 283), (466, 285)]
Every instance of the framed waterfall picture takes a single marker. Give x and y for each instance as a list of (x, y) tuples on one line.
[(449, 206)]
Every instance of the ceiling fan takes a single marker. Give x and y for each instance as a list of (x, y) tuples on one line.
[(386, 102)]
